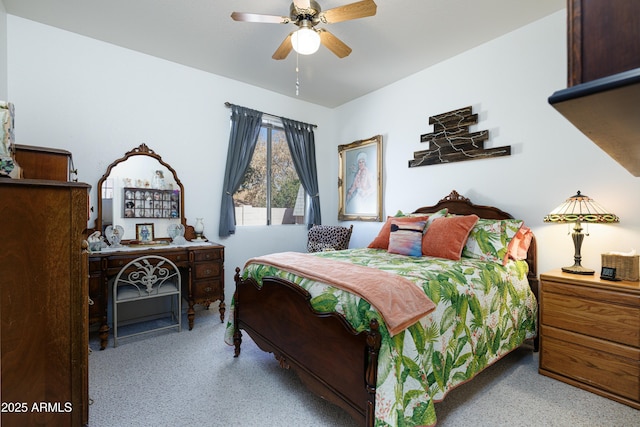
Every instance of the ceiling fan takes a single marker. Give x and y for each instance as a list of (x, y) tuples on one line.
[(306, 14)]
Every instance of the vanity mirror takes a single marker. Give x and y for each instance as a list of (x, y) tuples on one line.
[(141, 188)]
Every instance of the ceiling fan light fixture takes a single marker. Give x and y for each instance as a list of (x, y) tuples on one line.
[(305, 41)]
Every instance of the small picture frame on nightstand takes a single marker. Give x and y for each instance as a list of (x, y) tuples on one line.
[(608, 273)]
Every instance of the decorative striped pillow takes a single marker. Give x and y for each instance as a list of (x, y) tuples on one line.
[(405, 238)]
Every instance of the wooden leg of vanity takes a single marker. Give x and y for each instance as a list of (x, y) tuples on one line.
[(191, 314), (103, 333)]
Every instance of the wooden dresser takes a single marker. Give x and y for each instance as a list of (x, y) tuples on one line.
[(590, 334), (201, 264), (44, 303)]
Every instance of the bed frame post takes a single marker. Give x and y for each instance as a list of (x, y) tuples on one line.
[(534, 284), (371, 374), (237, 335)]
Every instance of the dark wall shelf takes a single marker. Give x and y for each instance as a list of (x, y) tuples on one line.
[(603, 97)]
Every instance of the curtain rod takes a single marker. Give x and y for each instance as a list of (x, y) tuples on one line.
[(228, 105)]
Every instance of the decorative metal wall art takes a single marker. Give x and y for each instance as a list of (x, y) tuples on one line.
[(451, 140)]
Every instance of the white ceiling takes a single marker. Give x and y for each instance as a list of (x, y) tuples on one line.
[(404, 37)]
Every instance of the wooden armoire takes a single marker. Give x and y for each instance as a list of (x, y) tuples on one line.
[(44, 303)]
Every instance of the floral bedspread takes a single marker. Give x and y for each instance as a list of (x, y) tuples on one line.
[(484, 310)]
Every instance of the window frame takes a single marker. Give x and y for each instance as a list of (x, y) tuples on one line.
[(271, 124)]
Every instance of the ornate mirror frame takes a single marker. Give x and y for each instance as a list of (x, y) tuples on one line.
[(143, 150)]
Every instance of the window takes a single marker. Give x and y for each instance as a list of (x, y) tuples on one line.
[(107, 188), (271, 192)]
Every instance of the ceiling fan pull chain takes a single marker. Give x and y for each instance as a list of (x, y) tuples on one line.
[(297, 76)]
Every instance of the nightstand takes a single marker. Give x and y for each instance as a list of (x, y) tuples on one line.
[(590, 334)]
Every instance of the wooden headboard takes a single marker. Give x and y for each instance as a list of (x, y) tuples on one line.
[(457, 204)]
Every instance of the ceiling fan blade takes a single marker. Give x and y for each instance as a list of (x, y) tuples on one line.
[(256, 17), (360, 9), (284, 49), (302, 4), (333, 43)]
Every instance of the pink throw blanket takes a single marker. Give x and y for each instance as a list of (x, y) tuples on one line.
[(400, 301)]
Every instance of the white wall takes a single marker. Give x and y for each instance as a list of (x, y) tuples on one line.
[(99, 101), (507, 82), (3, 53)]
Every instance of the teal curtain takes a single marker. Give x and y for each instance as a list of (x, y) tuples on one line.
[(245, 127), (301, 141)]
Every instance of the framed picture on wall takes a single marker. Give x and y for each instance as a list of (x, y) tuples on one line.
[(144, 233), (360, 180)]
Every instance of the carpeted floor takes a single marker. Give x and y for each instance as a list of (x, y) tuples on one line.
[(192, 379)]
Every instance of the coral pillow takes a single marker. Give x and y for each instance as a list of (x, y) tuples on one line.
[(382, 239), (519, 245), (490, 238), (446, 237), (406, 237)]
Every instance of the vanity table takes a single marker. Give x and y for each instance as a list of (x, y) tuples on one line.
[(140, 191), (201, 265)]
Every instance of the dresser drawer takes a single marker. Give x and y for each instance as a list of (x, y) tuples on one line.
[(597, 363), (208, 255), (596, 313), (208, 290), (207, 269), (179, 259), (95, 264), (117, 262)]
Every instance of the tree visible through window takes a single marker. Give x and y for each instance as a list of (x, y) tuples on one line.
[(271, 192)]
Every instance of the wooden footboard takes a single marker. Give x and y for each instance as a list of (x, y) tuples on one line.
[(330, 357)]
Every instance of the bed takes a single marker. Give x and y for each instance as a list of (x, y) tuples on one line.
[(350, 353)]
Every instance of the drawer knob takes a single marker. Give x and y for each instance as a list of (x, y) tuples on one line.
[(208, 271), (207, 289)]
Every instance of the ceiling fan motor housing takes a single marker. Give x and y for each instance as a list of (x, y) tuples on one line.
[(311, 14)]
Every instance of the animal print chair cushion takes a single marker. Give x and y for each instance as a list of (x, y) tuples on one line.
[(328, 238)]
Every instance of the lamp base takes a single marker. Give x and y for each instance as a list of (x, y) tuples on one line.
[(578, 269)]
